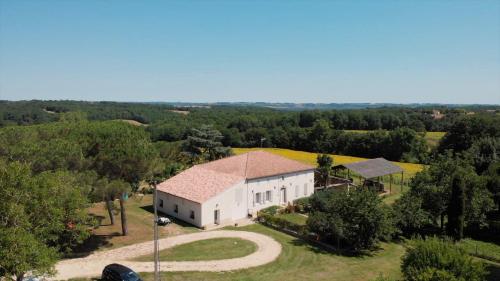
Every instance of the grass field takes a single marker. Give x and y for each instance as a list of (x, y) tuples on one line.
[(209, 249), (432, 138), (410, 169), (300, 261)]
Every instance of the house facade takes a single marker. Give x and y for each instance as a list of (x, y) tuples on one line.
[(233, 188)]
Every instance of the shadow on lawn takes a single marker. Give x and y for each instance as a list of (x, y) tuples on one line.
[(320, 249), (94, 242), (493, 272), (150, 209)]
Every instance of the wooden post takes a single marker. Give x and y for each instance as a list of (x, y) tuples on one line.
[(390, 183), (402, 181)]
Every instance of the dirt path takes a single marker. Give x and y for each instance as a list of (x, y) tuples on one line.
[(267, 251)]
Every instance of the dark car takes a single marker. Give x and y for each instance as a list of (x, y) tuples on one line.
[(118, 272)]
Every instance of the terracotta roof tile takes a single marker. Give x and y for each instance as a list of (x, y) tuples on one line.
[(202, 182)]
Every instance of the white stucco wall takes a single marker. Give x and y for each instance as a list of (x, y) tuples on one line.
[(296, 185), (184, 208), (238, 201), (231, 204)]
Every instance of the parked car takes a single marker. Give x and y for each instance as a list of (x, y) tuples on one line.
[(118, 272), (163, 221)]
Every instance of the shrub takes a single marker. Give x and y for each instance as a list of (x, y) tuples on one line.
[(302, 205), (358, 218), (280, 223), (436, 259), (273, 210)]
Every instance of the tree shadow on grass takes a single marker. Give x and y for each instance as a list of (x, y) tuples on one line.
[(94, 242), (150, 209), (317, 248), (493, 272)]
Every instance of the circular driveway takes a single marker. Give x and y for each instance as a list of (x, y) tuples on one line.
[(267, 251)]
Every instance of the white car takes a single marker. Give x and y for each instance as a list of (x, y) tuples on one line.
[(163, 221)]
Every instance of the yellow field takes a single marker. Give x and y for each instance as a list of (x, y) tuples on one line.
[(410, 169)]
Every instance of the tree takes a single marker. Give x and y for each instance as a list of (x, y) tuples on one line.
[(434, 259), (204, 144), (40, 216), (484, 152), (324, 168), (124, 154), (357, 218), (21, 252), (434, 186), (409, 215), (456, 208), (320, 135), (493, 183)]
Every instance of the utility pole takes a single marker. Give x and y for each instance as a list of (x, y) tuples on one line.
[(155, 223)]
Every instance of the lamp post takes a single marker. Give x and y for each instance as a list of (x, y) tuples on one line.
[(155, 223)]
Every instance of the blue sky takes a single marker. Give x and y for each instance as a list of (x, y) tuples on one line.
[(275, 51)]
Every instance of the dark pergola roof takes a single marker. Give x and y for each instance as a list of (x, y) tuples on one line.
[(373, 168)]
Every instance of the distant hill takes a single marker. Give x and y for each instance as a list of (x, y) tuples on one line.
[(327, 106)]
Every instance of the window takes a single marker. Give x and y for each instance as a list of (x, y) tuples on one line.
[(305, 188), (161, 203), (191, 214), (296, 191), (258, 197), (176, 208), (269, 196)]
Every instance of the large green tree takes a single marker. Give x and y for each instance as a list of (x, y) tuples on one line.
[(40, 216), (456, 208), (204, 144), (325, 163), (357, 219)]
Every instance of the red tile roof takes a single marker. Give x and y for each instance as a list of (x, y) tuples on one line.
[(202, 182)]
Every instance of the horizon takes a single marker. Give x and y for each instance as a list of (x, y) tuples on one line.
[(257, 102), (297, 52)]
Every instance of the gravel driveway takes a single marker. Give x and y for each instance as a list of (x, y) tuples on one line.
[(267, 251)]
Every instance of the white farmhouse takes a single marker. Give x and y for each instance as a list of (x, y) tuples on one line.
[(233, 188)]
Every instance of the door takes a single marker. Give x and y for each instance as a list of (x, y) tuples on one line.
[(216, 216), (283, 195)]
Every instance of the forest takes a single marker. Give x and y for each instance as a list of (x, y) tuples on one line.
[(393, 133)]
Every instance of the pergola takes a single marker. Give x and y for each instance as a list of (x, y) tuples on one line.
[(374, 168)]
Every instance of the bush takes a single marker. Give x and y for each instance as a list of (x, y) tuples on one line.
[(271, 220), (436, 259), (273, 210), (302, 205), (358, 219)]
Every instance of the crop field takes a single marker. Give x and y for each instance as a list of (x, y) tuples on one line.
[(410, 169)]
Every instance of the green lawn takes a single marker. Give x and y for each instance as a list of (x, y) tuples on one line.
[(294, 218), (301, 261), (487, 250), (209, 249)]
